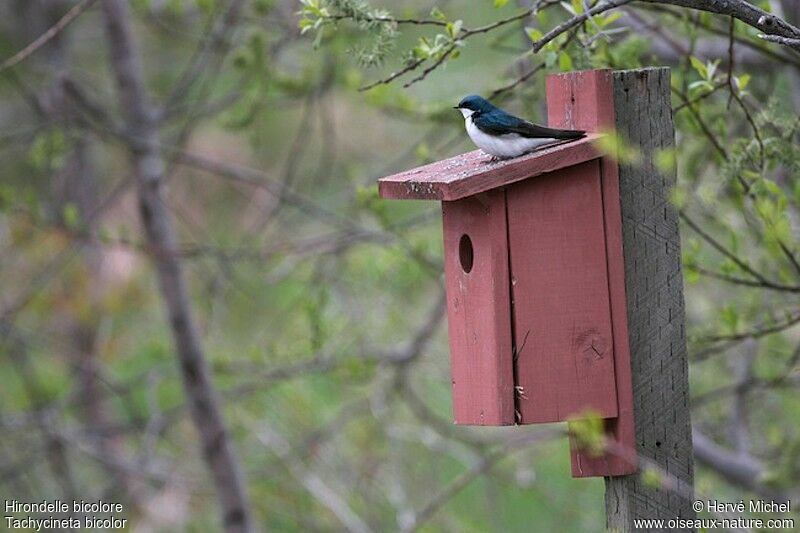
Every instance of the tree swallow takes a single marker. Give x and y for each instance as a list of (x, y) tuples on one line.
[(503, 135)]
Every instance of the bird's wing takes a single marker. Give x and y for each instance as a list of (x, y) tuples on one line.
[(498, 122)]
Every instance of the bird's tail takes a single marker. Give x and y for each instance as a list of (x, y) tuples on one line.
[(556, 133)]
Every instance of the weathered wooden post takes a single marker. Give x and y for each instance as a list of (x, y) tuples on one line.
[(564, 286), (654, 286)]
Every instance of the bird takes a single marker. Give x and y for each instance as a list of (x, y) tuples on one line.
[(504, 136)]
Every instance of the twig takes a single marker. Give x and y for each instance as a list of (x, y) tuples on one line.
[(721, 249), (791, 320), (525, 77), (214, 40), (44, 38), (756, 46), (484, 465), (739, 415), (432, 67), (769, 285), (321, 490), (786, 41), (731, 60), (417, 22), (706, 130), (464, 34), (790, 256), (574, 21), (688, 102), (394, 75), (746, 12)]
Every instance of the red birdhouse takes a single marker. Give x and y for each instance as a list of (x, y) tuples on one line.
[(535, 277)]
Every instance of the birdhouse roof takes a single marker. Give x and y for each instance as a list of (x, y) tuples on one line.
[(473, 172)]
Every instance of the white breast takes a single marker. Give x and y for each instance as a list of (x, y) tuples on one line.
[(505, 146)]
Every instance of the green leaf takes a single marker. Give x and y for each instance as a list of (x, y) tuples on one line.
[(610, 18), (652, 478), (438, 14), (564, 61), (678, 197), (730, 318), (742, 81), (618, 148), (423, 152), (588, 431), (500, 3), (728, 267), (534, 34), (699, 66), (48, 149), (71, 216), (454, 28), (701, 85), (666, 160)]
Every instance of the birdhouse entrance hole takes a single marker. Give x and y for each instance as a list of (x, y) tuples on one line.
[(465, 253)]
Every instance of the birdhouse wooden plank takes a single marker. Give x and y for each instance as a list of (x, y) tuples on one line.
[(562, 324), (479, 327), (534, 275)]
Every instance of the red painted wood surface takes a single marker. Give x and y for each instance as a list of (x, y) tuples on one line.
[(581, 100), (562, 317), (478, 309), (473, 173), (585, 100)]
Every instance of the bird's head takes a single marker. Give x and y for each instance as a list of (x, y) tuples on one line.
[(472, 104)]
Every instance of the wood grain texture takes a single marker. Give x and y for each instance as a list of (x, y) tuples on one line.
[(472, 173), (478, 309), (655, 305), (559, 284)]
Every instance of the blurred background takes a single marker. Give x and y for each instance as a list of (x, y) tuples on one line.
[(208, 315)]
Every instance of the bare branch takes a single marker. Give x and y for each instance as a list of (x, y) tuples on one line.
[(215, 40), (484, 465), (740, 469), (739, 417), (149, 173), (721, 249), (744, 11), (786, 41), (432, 67), (322, 491), (762, 331), (43, 39), (465, 34), (745, 282), (574, 21), (749, 14), (390, 20)]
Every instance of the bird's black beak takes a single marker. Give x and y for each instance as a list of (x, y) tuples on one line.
[(456, 107)]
